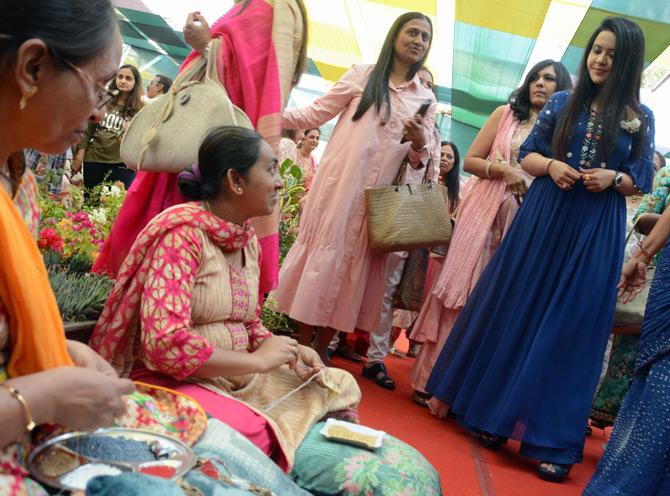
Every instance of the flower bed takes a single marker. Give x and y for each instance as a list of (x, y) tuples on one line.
[(73, 228)]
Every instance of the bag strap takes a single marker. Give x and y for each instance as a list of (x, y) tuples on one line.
[(630, 233)]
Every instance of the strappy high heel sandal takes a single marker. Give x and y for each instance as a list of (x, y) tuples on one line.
[(491, 441)]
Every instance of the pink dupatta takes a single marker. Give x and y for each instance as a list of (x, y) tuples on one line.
[(477, 213), (257, 62)]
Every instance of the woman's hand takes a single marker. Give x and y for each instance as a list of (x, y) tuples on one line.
[(413, 132), (309, 363), (516, 181), (597, 180), (84, 356), (563, 175), (77, 161), (276, 351), (633, 279), (85, 399), (197, 32)]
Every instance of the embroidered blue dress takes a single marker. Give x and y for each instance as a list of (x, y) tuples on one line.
[(524, 358)]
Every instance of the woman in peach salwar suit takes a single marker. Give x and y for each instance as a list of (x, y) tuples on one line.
[(330, 278)]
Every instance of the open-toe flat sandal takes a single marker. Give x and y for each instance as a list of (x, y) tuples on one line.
[(553, 472), (377, 373)]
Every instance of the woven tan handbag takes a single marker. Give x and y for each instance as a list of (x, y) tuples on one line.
[(166, 134), (406, 216)]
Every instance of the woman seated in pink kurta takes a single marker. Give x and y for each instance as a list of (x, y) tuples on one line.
[(330, 278), (185, 312)]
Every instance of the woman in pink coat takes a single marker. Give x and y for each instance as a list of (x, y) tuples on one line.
[(330, 270)]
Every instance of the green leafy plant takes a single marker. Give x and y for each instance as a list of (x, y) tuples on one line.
[(80, 297), (277, 322), (291, 195), (290, 200)]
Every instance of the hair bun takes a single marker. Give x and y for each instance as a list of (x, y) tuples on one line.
[(190, 184)]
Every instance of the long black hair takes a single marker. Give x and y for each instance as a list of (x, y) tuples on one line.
[(519, 100), (452, 179), (134, 102), (619, 97), (224, 148), (376, 90), (74, 30)]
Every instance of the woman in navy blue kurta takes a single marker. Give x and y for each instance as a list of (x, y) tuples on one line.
[(525, 355)]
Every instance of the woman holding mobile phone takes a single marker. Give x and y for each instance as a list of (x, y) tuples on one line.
[(330, 279)]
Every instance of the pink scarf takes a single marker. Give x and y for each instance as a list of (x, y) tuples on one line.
[(114, 334), (477, 213), (257, 63)]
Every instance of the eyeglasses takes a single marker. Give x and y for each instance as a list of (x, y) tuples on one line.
[(103, 94)]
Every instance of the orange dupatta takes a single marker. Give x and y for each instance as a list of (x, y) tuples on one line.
[(37, 337)]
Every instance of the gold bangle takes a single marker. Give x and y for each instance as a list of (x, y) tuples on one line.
[(30, 423), (488, 169), (546, 167)]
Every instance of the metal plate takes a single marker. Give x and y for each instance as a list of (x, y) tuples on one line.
[(51, 461)]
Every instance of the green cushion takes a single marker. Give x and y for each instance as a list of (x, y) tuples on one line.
[(325, 467)]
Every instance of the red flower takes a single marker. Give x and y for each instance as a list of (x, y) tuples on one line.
[(50, 239)]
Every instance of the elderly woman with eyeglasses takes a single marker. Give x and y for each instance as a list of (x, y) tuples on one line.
[(56, 57)]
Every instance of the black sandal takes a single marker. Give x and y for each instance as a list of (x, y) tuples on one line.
[(421, 398), (491, 441), (553, 472), (377, 373)]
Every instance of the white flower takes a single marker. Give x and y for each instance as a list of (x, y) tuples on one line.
[(98, 215), (114, 191), (631, 126)]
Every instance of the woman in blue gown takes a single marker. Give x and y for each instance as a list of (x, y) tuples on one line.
[(524, 358)]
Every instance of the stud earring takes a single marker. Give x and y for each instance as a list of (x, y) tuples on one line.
[(27, 96), (239, 189)]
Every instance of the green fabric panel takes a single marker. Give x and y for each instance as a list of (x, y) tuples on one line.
[(652, 10), (133, 38), (656, 33), (144, 18), (154, 27), (487, 67), (461, 134)]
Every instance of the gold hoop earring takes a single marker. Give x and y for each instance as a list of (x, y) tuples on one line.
[(27, 96)]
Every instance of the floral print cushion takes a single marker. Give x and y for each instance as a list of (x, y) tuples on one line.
[(328, 468)]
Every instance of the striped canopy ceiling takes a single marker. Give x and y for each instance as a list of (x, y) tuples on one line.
[(481, 48)]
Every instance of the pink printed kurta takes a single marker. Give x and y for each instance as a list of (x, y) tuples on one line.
[(330, 272)]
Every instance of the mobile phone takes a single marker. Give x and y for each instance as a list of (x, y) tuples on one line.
[(423, 109)]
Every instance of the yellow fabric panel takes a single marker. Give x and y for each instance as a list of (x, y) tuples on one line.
[(519, 17), (330, 72), (594, 17), (428, 7), (333, 38)]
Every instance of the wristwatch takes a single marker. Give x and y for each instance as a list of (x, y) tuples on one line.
[(618, 180), (422, 149)]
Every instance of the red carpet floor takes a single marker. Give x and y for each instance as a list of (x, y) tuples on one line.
[(466, 468)]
